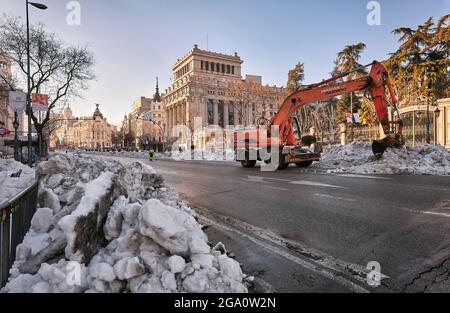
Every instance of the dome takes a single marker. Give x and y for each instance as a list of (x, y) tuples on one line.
[(97, 112)]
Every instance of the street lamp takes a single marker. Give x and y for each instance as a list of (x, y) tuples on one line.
[(29, 111), (16, 138), (437, 112)]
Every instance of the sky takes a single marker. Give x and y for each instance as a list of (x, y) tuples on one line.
[(136, 40)]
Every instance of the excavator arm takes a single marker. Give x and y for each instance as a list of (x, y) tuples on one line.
[(378, 85)]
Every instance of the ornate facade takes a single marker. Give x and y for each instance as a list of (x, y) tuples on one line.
[(208, 90), (144, 126), (85, 133)]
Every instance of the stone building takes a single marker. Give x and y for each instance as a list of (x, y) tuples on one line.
[(92, 133), (61, 125), (208, 90), (85, 133), (6, 113), (442, 116), (144, 126)]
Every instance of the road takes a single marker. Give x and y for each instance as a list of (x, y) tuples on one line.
[(337, 221), (401, 222)]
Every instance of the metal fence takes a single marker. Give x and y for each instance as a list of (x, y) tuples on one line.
[(363, 133), (15, 220)]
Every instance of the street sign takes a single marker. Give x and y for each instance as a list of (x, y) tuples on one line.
[(17, 100), (4, 132), (352, 118), (39, 102), (349, 117)]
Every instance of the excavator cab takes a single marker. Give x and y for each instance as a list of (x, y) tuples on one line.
[(297, 130)]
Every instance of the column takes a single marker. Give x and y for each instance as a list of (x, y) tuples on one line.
[(183, 113), (167, 122), (175, 115), (216, 113), (225, 114), (188, 117)]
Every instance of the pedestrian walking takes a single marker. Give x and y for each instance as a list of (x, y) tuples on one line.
[(151, 154)]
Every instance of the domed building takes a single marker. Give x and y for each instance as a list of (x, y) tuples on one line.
[(92, 132)]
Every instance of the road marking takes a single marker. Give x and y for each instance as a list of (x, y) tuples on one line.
[(362, 176), (311, 183), (277, 188), (255, 179), (294, 182), (426, 212), (333, 197)]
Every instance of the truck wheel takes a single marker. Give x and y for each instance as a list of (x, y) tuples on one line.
[(304, 164), (248, 164), (283, 164)]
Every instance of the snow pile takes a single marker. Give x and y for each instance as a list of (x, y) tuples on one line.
[(110, 227), (357, 158), (122, 154), (199, 155), (226, 155), (11, 186)]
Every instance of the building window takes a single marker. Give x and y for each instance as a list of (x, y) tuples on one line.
[(232, 70), (228, 69), (223, 68), (201, 64), (231, 113), (221, 114), (207, 65), (217, 67), (212, 66), (210, 112)]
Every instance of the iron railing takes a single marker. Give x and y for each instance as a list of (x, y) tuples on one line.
[(15, 221)]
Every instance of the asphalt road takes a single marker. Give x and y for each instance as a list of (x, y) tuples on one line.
[(402, 222)]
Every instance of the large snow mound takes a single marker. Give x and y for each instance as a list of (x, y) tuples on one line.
[(11, 186), (357, 158), (104, 226)]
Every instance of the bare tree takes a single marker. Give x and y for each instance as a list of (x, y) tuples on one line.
[(62, 71), (251, 101), (241, 92)]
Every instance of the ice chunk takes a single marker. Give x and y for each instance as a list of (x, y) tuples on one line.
[(176, 264), (128, 268), (230, 268), (102, 271), (42, 220), (176, 231)]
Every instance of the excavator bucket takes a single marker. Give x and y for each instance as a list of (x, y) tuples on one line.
[(380, 146)]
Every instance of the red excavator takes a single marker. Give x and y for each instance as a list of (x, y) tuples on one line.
[(283, 131)]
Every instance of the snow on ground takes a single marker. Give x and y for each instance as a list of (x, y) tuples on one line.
[(149, 241), (209, 155), (357, 158), (11, 186)]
